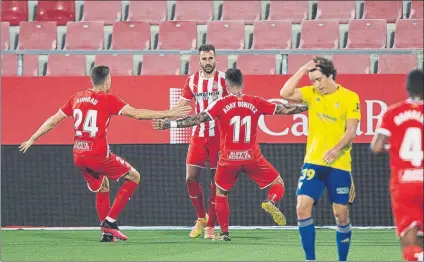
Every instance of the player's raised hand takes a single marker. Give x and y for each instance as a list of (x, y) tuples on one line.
[(161, 124), (180, 111), (330, 156), (25, 145), (309, 66)]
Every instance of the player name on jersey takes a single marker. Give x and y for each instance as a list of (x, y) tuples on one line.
[(240, 104), (88, 100), (408, 115)]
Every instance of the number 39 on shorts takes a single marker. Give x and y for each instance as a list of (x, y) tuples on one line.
[(307, 174)]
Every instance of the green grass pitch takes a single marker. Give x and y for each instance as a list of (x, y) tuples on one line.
[(165, 245)]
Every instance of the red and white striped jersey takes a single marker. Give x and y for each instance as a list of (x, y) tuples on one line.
[(204, 91)]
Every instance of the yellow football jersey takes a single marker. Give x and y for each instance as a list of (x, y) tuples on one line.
[(327, 124)]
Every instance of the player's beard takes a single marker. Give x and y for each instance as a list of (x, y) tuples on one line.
[(208, 69)]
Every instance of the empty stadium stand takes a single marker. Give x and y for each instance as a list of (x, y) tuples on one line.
[(148, 11), (367, 34), (118, 64), (37, 35), (257, 64), (179, 35), (295, 11), (5, 36), (409, 33), (59, 11), (161, 65), (248, 11), (272, 35), (111, 11), (189, 11), (396, 64), (84, 35), (66, 65), (14, 12), (226, 34), (388, 10), (131, 36), (323, 34), (342, 11)]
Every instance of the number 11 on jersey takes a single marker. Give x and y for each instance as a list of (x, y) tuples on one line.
[(238, 122)]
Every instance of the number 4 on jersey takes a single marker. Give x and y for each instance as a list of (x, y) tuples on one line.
[(411, 148), (90, 122)]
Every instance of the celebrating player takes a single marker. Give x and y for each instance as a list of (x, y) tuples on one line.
[(402, 128), (238, 116), (205, 86), (91, 110), (334, 115)]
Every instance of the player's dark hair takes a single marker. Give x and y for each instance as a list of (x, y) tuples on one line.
[(235, 76), (206, 48), (414, 82), (326, 66), (99, 73)]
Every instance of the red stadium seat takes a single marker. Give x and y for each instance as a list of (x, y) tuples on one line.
[(189, 11), (226, 34), (247, 11), (389, 10), (14, 12), (37, 35), (367, 34), (344, 65), (30, 65), (147, 11), (111, 11), (177, 35), (272, 35), (294, 62), (66, 65), (9, 65), (59, 11), (257, 64), (118, 64), (294, 11), (84, 35), (396, 64), (343, 11), (323, 34), (161, 65), (409, 33), (131, 36), (417, 10), (5, 36), (193, 67)]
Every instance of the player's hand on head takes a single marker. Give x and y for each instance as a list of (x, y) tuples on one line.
[(180, 111), (161, 124), (25, 145), (330, 155), (309, 66)]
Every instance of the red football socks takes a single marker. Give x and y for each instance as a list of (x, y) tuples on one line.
[(195, 193), (122, 197), (411, 253), (212, 212), (102, 204), (222, 212), (275, 192)]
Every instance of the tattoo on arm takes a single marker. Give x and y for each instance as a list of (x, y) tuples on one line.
[(290, 109), (193, 120)]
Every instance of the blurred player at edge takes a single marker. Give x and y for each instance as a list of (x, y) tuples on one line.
[(91, 110), (205, 86), (334, 114), (238, 115), (402, 129)]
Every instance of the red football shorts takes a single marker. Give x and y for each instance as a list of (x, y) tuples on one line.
[(407, 206), (200, 149), (95, 168), (262, 172)]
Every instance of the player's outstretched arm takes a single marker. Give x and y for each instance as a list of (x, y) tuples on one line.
[(48, 125), (379, 143), (162, 124), (290, 109), (145, 114), (289, 90)]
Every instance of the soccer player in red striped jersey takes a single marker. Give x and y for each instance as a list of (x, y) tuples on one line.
[(238, 116), (91, 110), (401, 129), (205, 87)]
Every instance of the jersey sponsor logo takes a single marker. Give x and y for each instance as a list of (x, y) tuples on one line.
[(411, 175), (327, 117), (88, 100), (82, 145), (342, 190), (208, 95), (239, 155)]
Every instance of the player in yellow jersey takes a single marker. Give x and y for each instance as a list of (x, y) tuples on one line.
[(334, 115)]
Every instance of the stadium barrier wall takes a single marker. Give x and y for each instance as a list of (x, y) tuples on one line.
[(43, 188)]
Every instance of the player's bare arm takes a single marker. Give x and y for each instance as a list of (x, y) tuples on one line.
[(289, 90), (48, 125), (182, 102), (379, 144), (290, 109), (145, 114), (162, 124), (349, 135)]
